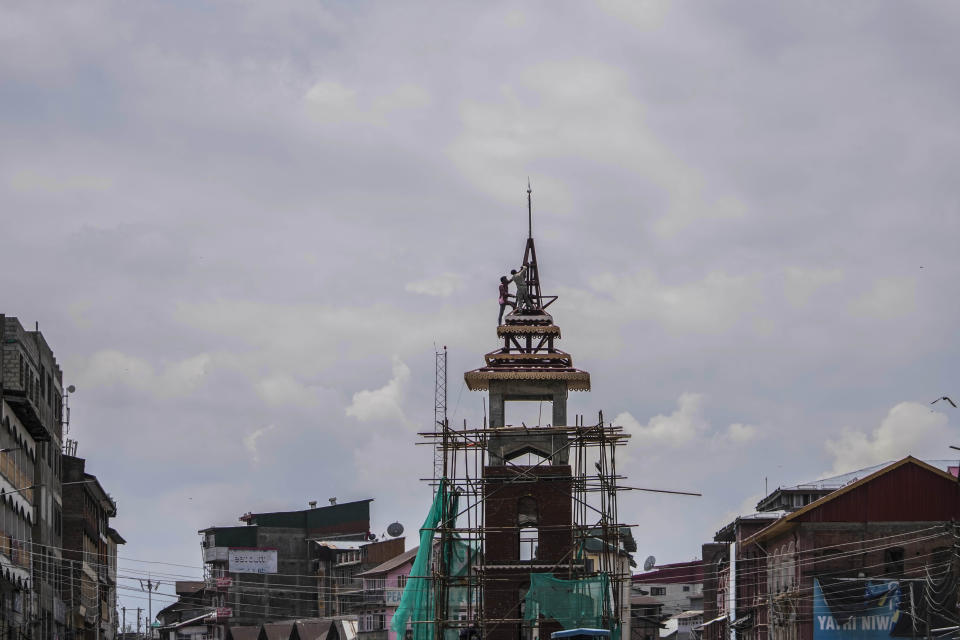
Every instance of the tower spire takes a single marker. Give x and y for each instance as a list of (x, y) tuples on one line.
[(529, 210)]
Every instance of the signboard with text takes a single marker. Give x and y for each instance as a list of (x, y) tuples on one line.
[(251, 560), (392, 596), (856, 610)]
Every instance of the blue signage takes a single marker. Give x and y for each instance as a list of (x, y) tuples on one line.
[(855, 610)]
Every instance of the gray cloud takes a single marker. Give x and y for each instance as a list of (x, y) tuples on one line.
[(228, 217)]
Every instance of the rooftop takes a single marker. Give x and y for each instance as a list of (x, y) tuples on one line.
[(676, 573)]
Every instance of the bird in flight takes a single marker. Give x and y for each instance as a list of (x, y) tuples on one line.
[(952, 403)]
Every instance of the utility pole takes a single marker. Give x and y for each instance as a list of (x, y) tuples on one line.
[(139, 609), (123, 627), (150, 588)]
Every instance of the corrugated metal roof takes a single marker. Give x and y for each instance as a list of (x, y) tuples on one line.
[(676, 573), (842, 480), (314, 629), (250, 632), (788, 520), (278, 630), (392, 563)]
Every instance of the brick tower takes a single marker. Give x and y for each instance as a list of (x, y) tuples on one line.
[(527, 508)]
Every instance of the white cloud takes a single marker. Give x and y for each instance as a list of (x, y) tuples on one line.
[(910, 428), (643, 14), (383, 403), (251, 439), (582, 109), (740, 433), (284, 390), (330, 101), (889, 298), (441, 285), (676, 429), (27, 181), (711, 305), (406, 96), (801, 284), (111, 367)]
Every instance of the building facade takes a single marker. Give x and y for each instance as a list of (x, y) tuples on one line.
[(31, 410), (90, 588), (291, 565), (871, 559), (677, 586), (382, 589)]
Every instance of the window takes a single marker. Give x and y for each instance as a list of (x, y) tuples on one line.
[(528, 519), (401, 581), (686, 587), (658, 591), (893, 561), (529, 540)]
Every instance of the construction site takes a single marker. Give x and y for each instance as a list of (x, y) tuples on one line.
[(523, 538)]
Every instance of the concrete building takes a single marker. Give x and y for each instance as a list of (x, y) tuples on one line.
[(871, 559), (292, 564), (192, 616), (646, 616), (88, 542), (677, 586), (31, 410), (382, 589)]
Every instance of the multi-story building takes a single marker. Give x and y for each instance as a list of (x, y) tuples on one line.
[(382, 589), (677, 586), (89, 589), (31, 390), (873, 558), (292, 564)]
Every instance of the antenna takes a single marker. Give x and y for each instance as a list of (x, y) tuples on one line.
[(439, 407)]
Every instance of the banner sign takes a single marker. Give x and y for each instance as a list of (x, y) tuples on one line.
[(252, 560), (855, 610)]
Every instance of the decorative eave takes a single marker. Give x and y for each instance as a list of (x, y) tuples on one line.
[(495, 358), (479, 379), (505, 330)]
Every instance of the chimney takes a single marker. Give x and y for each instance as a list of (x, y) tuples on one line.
[(333, 501), (313, 504)]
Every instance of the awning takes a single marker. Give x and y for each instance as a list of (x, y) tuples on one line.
[(717, 619)]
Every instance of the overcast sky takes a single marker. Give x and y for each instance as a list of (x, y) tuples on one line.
[(243, 228)]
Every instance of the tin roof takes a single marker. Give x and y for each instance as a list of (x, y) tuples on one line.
[(392, 563), (787, 521)]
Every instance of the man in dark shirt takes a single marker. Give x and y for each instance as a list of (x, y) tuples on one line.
[(504, 297)]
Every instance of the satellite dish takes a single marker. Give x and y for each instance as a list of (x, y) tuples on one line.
[(71, 388), (395, 529), (649, 563)]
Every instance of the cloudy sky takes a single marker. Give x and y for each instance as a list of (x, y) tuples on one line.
[(243, 227)]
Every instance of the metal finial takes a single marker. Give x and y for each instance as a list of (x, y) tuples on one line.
[(529, 210)]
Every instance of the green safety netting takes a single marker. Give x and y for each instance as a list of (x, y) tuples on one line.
[(417, 605), (575, 604)]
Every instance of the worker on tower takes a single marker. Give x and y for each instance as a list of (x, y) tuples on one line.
[(523, 295), (504, 299)]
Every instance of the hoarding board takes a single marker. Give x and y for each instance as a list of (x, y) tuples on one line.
[(855, 610), (252, 560)]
